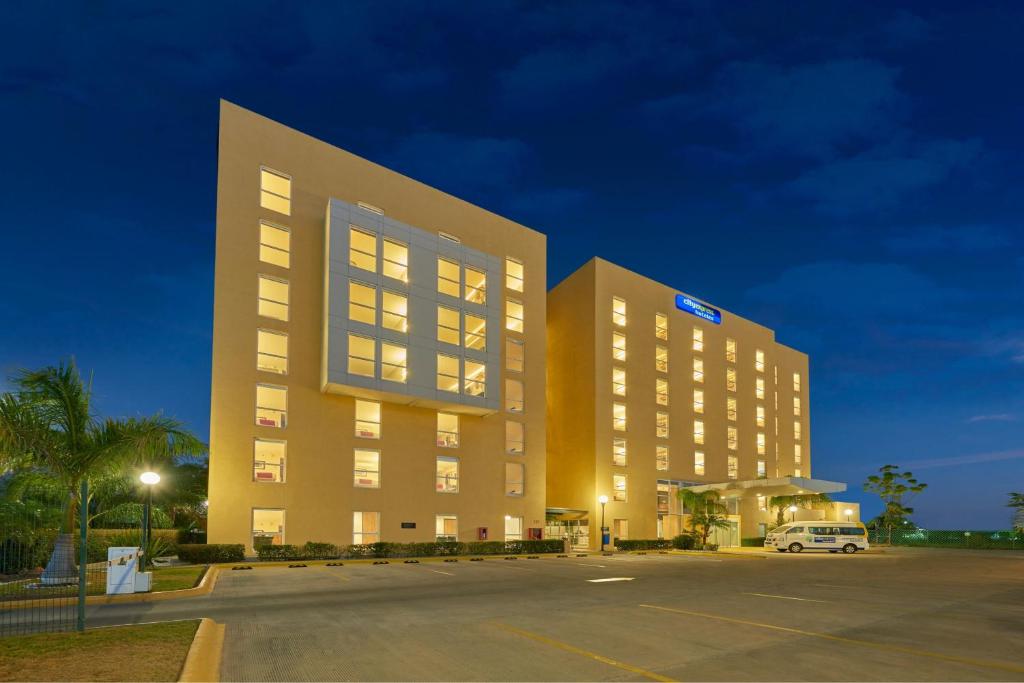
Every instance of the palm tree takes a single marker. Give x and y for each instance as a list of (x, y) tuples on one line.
[(782, 503), (707, 512), (1017, 502), (47, 426)]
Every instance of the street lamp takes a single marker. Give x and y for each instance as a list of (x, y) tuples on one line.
[(150, 479), (793, 509), (603, 500), (848, 512)]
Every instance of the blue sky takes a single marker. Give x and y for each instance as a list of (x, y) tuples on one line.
[(847, 173)]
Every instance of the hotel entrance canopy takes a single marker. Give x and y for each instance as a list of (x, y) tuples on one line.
[(782, 486)]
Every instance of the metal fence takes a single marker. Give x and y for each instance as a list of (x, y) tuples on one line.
[(944, 538)]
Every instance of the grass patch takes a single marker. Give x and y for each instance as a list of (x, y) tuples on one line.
[(149, 652), (164, 579), (176, 578)]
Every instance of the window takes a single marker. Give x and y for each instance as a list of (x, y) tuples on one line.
[(730, 408), (619, 381), (513, 315), (476, 378), (513, 528), (619, 487), (447, 430), (393, 362), (733, 467), (730, 350), (515, 478), (447, 373), (661, 326), (396, 260), (759, 360), (661, 391), (366, 469), (618, 346), (619, 417), (275, 244), (732, 438), (760, 416), (515, 354), (267, 527), (268, 461), (448, 277), (730, 379), (798, 453), (476, 286), (273, 298), (513, 274), (513, 396), (796, 472), (762, 471), (698, 401), (362, 249), (395, 312), (661, 457), (620, 529), (619, 452), (271, 406), (514, 437), (362, 355), (762, 447), (447, 527), (698, 462), (796, 430), (476, 333), (661, 425), (796, 382), (275, 191), (762, 501), (365, 527), (698, 431), (661, 358), (367, 419), (619, 311), (759, 388), (796, 405), (272, 351), (698, 369), (698, 339), (362, 303), (447, 474), (448, 325)]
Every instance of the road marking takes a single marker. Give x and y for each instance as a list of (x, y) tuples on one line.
[(614, 578), (438, 571), (783, 597), (585, 653), (1003, 666), (585, 564)]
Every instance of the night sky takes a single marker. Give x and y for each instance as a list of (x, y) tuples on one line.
[(846, 173)]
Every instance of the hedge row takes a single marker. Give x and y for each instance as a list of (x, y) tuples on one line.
[(329, 551), (202, 553), (680, 542), (756, 542)]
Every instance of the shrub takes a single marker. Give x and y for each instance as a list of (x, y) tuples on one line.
[(314, 550), (752, 542), (643, 544), (684, 542), (158, 546), (271, 553), (201, 553)]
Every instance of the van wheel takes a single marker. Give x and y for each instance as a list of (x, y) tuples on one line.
[(795, 547), (849, 548)]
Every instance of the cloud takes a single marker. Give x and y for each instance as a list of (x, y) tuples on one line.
[(971, 459), (965, 238), (999, 417)]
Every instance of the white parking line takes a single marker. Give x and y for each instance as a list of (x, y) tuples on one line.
[(784, 597), (587, 564), (614, 578), (438, 571)]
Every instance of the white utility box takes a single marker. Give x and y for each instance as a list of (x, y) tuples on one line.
[(123, 571), (143, 582)]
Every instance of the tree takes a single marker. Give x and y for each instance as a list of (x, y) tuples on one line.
[(896, 489), (47, 427), (1017, 502), (782, 503), (707, 512)]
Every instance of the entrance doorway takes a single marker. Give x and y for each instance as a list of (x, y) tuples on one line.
[(568, 524)]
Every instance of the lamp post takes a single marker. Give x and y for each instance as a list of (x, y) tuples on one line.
[(603, 500), (849, 513), (792, 510), (150, 479)]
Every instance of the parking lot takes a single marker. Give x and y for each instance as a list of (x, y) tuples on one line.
[(898, 615)]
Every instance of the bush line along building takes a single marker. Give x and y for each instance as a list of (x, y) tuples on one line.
[(388, 365)]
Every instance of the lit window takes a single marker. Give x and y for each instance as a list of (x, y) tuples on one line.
[(796, 405), (730, 350), (730, 379), (275, 244), (698, 339), (661, 457), (476, 286), (448, 325), (796, 472), (514, 437), (396, 260), (447, 373), (730, 408), (513, 274), (476, 378), (366, 469), (362, 356), (762, 501), (515, 354), (661, 358), (619, 487), (367, 419), (734, 467), (796, 382), (513, 315), (365, 527), (732, 438), (619, 452), (618, 311), (513, 528), (273, 298), (515, 478), (513, 395), (619, 417), (698, 401), (618, 346), (759, 360), (395, 312), (476, 333), (760, 416), (698, 462), (267, 527), (661, 326), (698, 431), (448, 281), (798, 453), (796, 430), (759, 388), (447, 430), (268, 461), (272, 351), (619, 381), (362, 249), (447, 474), (661, 425), (275, 191), (393, 362), (271, 406), (698, 369), (362, 303), (661, 391), (447, 527), (762, 448)]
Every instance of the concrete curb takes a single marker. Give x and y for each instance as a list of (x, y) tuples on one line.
[(202, 663)]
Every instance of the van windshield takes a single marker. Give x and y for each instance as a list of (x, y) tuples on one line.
[(780, 530)]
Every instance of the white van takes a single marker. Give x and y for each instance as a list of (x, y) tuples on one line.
[(797, 537)]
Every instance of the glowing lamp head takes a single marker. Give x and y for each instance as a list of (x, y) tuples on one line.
[(508, 517), (149, 478), (792, 508), (848, 511), (602, 499)]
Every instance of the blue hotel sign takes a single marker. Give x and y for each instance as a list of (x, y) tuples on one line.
[(685, 303)]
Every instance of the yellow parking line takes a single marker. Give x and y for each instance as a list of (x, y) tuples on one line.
[(986, 663), (585, 653)]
